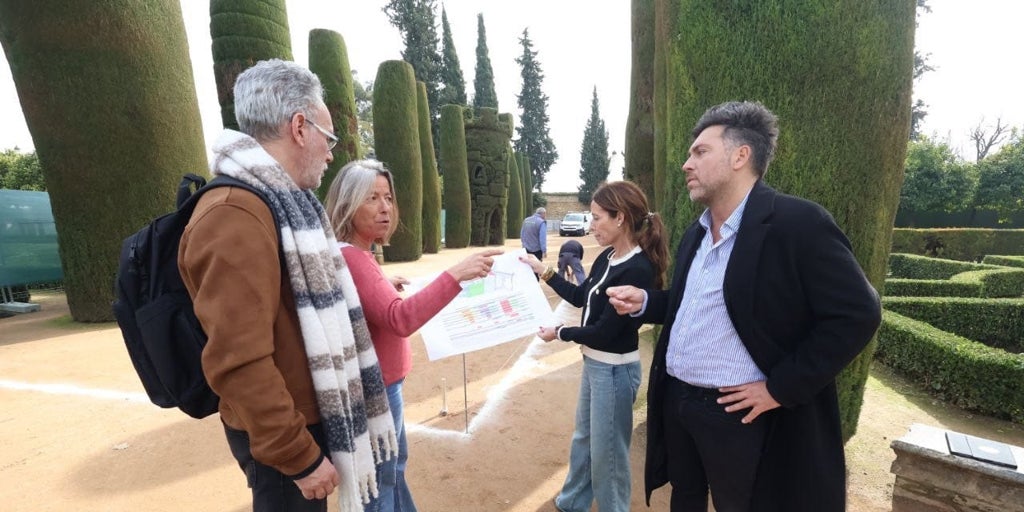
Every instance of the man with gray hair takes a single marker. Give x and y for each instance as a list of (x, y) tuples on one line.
[(279, 306), (534, 234)]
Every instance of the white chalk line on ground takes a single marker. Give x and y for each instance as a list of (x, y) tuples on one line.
[(72, 389)]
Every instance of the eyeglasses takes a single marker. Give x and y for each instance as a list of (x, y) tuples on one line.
[(332, 139)]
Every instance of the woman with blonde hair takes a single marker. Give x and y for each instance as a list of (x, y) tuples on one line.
[(361, 206)]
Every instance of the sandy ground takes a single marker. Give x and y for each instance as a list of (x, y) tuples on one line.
[(76, 430)]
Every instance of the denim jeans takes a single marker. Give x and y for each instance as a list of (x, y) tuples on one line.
[(394, 495), (272, 491), (599, 455)]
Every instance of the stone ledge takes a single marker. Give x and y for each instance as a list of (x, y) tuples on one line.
[(929, 478)]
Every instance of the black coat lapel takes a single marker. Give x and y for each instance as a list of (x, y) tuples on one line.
[(741, 273)]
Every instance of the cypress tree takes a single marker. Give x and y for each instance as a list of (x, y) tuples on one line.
[(838, 74), (594, 153), (114, 120), (415, 20), (243, 34), (454, 164), (534, 140), (328, 58), (483, 84), (640, 123), (431, 181), (454, 85), (397, 144), (514, 215)]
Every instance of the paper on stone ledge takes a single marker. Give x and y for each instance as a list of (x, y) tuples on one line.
[(504, 306)]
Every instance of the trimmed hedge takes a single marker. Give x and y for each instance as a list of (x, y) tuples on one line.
[(998, 323), (514, 212), (397, 144), (431, 181), (1005, 261), (328, 58), (922, 276), (955, 369), (839, 76), (455, 166), (108, 95), (912, 266), (896, 287), (243, 33), (965, 244)]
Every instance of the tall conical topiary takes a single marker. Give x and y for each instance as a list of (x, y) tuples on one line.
[(454, 91), (397, 145), (526, 173), (838, 74), (514, 215), (244, 33), (431, 182), (640, 123), (115, 123), (454, 166), (328, 58)]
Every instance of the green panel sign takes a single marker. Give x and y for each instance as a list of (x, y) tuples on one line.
[(28, 239)]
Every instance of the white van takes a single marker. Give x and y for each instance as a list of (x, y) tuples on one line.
[(575, 223)]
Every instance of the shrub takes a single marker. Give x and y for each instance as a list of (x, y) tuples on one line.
[(1006, 261), (912, 266), (955, 369), (998, 323), (964, 244), (454, 165)]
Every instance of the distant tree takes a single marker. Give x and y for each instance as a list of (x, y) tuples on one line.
[(1001, 180), (935, 179), (534, 140), (453, 91), (415, 20), (243, 34), (918, 110), (483, 84), (364, 112), (21, 171), (984, 140), (594, 153)]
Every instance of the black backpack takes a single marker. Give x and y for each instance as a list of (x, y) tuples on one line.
[(164, 338)]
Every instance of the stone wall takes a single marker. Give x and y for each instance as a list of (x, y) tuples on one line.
[(930, 479), (559, 204)]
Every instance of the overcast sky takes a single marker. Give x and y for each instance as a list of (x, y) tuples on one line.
[(582, 44)]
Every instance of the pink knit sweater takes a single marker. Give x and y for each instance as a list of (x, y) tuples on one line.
[(392, 319)]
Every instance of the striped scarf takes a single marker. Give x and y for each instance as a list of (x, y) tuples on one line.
[(348, 381)]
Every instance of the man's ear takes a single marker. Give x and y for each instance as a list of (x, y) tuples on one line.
[(741, 157), (296, 125)]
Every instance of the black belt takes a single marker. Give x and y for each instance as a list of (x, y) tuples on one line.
[(687, 390)]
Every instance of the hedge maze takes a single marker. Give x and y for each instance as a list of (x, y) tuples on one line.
[(957, 328)]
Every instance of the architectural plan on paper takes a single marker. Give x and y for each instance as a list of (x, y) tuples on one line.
[(506, 305)]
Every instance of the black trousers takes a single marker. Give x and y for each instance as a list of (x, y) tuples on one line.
[(272, 491), (540, 256), (708, 447)]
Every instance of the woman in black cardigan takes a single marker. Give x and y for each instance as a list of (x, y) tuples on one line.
[(636, 255)]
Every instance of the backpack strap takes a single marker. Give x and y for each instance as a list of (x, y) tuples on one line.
[(222, 180)]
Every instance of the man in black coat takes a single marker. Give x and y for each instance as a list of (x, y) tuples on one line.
[(767, 305)]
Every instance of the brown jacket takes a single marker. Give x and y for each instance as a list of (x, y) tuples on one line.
[(255, 358)]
